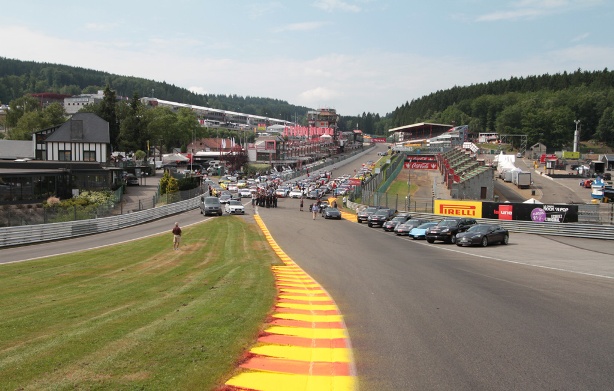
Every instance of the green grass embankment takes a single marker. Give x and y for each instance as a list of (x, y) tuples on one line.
[(137, 315)]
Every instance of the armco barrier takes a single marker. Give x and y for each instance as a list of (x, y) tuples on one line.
[(27, 234)]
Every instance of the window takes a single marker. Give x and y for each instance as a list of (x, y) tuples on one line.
[(64, 155), (89, 156)]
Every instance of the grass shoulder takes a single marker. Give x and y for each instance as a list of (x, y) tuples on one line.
[(137, 315)]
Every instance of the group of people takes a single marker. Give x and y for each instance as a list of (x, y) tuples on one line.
[(265, 197)]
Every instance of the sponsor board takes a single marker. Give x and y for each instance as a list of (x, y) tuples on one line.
[(420, 166), (571, 155), (556, 213), (471, 209), (420, 162)]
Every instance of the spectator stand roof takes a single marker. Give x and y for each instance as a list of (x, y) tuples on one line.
[(421, 131)]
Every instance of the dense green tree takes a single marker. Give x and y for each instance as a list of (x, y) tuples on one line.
[(18, 107), (108, 112), (605, 129), (132, 134), (37, 119)]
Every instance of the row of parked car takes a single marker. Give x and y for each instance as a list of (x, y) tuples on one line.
[(461, 231)]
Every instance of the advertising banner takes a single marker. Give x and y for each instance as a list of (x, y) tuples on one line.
[(471, 209), (420, 162), (571, 155), (556, 213)]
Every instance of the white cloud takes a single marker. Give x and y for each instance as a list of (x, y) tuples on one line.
[(94, 26), (334, 5), (580, 37), (198, 90), (371, 81), (304, 26), (530, 9)]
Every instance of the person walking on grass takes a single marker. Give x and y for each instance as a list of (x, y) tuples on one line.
[(176, 236)]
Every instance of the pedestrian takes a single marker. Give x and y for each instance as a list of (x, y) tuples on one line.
[(301, 204), (345, 201), (176, 236), (314, 210)]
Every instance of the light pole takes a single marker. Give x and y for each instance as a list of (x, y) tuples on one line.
[(409, 187), (576, 136)]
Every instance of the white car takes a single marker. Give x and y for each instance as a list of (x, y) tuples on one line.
[(245, 193), (234, 207), (296, 193)]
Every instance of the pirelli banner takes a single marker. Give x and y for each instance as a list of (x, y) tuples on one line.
[(420, 162), (471, 209), (557, 213)]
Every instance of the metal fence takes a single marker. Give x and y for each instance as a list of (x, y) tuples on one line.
[(34, 214), (27, 234)]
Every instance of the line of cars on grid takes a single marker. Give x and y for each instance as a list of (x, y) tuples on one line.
[(461, 231)]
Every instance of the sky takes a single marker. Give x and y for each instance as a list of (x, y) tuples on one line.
[(354, 56)]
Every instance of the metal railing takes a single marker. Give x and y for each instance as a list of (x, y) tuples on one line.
[(34, 214), (27, 234)]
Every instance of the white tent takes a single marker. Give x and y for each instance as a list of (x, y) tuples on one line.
[(174, 157), (532, 201)]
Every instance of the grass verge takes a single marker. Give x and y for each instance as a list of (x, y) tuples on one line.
[(137, 315)]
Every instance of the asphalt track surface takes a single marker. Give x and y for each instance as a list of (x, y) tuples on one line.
[(537, 314)]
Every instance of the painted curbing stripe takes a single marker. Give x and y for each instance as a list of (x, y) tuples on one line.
[(302, 306), (305, 346), (305, 342), (283, 310), (309, 317), (307, 332), (266, 381), (302, 323), (298, 367), (299, 353)]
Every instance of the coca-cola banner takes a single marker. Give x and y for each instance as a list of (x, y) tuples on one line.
[(420, 166), (421, 162)]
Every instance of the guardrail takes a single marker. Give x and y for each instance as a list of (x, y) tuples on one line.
[(27, 234)]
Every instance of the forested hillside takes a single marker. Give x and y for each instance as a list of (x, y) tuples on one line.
[(18, 78), (542, 107)]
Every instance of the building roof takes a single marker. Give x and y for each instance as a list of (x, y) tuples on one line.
[(82, 127), (422, 126), (16, 149)]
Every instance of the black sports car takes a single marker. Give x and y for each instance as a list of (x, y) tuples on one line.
[(483, 235)]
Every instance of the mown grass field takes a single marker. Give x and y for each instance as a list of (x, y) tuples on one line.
[(137, 316)]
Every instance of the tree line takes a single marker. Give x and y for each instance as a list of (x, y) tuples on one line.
[(543, 107), (19, 78)]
